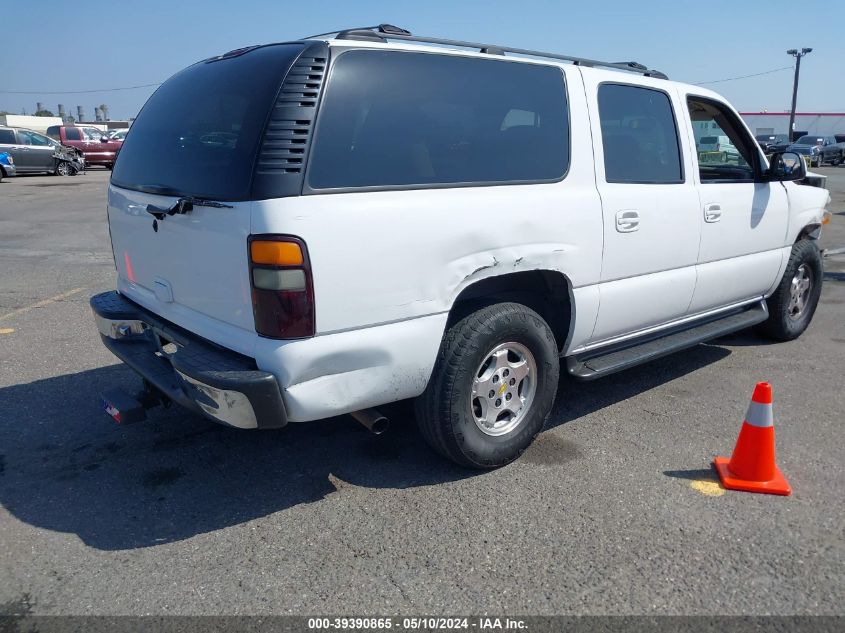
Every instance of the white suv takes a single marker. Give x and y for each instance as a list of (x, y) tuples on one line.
[(319, 227)]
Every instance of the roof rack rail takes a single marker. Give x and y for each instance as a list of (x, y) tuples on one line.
[(385, 32)]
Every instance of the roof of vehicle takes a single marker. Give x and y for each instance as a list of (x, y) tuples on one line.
[(383, 33), (394, 38), (391, 37), (25, 129)]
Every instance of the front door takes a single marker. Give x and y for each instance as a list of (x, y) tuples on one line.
[(649, 205), (743, 220), (39, 152)]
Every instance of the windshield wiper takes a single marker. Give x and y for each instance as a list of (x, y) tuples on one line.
[(183, 205)]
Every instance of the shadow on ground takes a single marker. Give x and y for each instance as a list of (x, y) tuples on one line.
[(698, 474), (66, 467)]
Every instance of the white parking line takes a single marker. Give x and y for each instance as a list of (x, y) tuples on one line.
[(828, 252), (41, 304)]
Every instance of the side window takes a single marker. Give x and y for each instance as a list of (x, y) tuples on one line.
[(40, 139), (7, 137), (639, 135), (73, 134), (53, 132), (92, 134), (28, 138), (725, 150), (416, 119)]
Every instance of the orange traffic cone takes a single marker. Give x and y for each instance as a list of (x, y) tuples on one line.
[(752, 466)]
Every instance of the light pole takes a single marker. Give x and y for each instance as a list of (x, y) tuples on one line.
[(794, 52)]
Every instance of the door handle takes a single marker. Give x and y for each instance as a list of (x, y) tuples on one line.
[(712, 212), (627, 221)]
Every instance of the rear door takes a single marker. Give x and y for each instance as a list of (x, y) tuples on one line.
[(9, 144), (198, 135), (649, 205), (72, 137)]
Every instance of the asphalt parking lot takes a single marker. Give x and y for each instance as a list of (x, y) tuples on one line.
[(613, 511)]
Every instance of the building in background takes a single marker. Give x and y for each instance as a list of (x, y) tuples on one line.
[(821, 123), (36, 123)]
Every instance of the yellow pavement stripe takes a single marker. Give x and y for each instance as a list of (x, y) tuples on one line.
[(6, 330), (41, 304)]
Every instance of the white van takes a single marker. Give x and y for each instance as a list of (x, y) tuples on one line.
[(717, 149), (320, 227)]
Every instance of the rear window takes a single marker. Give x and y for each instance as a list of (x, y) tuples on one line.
[(199, 133), (394, 119), (7, 137)]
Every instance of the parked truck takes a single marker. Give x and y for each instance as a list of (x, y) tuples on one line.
[(97, 148)]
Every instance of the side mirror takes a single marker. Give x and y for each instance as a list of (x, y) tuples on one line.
[(104, 139), (785, 166)]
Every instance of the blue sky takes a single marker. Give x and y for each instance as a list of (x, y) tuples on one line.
[(90, 44)]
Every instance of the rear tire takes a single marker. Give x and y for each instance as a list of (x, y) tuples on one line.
[(793, 303), (492, 388)]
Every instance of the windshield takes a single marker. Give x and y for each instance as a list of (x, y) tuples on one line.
[(809, 140), (198, 135)]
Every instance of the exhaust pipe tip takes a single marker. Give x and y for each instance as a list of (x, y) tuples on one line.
[(372, 420)]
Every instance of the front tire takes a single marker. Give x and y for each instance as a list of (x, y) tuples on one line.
[(793, 303), (492, 388), (64, 169)]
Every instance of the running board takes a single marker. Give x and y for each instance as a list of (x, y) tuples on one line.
[(601, 362)]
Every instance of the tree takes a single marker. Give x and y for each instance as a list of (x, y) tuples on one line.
[(44, 113)]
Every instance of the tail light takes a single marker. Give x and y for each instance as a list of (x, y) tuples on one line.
[(282, 288)]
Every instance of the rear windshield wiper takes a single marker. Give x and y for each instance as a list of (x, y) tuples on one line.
[(183, 205)]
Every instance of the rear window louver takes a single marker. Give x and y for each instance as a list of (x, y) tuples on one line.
[(284, 147)]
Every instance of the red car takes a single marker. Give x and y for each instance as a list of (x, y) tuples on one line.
[(93, 143)]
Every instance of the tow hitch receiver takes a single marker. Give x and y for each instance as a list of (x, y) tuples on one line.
[(122, 407), (126, 409)]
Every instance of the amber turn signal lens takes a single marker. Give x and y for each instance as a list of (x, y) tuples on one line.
[(276, 253)]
